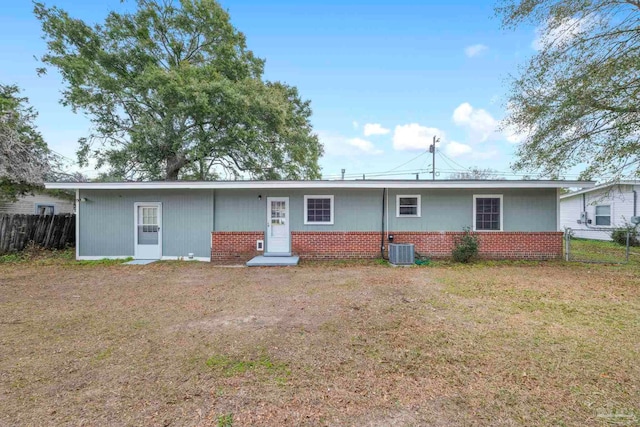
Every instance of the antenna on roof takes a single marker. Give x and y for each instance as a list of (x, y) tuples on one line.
[(343, 171)]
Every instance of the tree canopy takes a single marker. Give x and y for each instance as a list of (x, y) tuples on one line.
[(476, 173), (576, 101), (24, 155), (173, 93)]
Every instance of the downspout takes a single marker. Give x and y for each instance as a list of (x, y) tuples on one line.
[(213, 222), (635, 202), (384, 192), (77, 224), (387, 215)]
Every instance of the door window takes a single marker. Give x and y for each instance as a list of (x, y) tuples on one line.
[(148, 225)]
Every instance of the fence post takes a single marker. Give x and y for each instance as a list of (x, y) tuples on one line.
[(567, 245), (628, 239)]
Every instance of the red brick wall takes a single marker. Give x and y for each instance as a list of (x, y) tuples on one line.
[(229, 246), (336, 244), (241, 246), (493, 245)]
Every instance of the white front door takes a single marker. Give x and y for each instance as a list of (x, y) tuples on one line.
[(148, 232), (278, 225)]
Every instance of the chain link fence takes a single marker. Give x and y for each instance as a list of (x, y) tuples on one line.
[(596, 246)]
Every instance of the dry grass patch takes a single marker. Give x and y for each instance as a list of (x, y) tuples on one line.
[(192, 344)]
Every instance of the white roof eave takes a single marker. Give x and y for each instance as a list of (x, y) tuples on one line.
[(598, 187), (259, 185)]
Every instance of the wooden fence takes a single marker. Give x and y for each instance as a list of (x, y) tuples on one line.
[(52, 232)]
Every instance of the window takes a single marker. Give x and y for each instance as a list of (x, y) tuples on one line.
[(603, 215), (407, 206), (45, 210), (487, 212), (318, 210)]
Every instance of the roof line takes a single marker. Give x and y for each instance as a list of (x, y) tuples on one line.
[(599, 187), (161, 185)]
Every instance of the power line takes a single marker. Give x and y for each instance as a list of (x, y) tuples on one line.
[(458, 164), (405, 163)]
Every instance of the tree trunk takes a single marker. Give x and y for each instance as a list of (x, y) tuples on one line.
[(174, 164)]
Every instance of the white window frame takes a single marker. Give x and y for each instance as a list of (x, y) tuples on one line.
[(306, 209), (595, 216), (488, 196), (47, 205), (418, 201)]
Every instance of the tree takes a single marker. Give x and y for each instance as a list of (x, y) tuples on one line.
[(476, 173), (174, 93), (23, 153), (576, 101)]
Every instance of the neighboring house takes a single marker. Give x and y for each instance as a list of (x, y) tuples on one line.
[(234, 220), (594, 212), (38, 204)]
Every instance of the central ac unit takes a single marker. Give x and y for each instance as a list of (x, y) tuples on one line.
[(401, 253)]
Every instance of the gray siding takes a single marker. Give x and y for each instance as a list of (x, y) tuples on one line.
[(107, 217), (360, 210), (242, 210), (107, 221)]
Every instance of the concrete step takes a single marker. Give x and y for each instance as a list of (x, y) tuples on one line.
[(276, 254), (280, 261)]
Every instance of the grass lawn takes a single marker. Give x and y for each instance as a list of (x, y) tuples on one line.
[(320, 344), (602, 251)]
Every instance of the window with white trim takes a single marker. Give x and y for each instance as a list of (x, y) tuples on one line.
[(603, 215), (487, 212), (408, 206), (318, 210), (45, 210)]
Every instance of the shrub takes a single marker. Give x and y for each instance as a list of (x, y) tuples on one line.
[(619, 235), (466, 247)]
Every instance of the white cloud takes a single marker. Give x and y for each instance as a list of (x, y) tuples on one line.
[(414, 137), (558, 33), (364, 145), (456, 149), (513, 136), (484, 155), (510, 133), (475, 50), (355, 124), (340, 146), (480, 124), (375, 129)]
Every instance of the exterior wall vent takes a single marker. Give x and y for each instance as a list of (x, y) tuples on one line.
[(401, 253), (259, 245)]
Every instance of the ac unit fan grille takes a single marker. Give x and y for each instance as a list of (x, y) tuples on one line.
[(401, 253)]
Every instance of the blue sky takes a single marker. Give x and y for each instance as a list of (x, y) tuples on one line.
[(382, 77)]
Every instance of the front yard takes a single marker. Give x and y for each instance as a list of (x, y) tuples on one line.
[(194, 344)]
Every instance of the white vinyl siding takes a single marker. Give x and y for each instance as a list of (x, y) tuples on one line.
[(27, 205), (619, 198)]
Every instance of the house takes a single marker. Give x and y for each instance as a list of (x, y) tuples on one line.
[(39, 203), (226, 221), (592, 213)]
